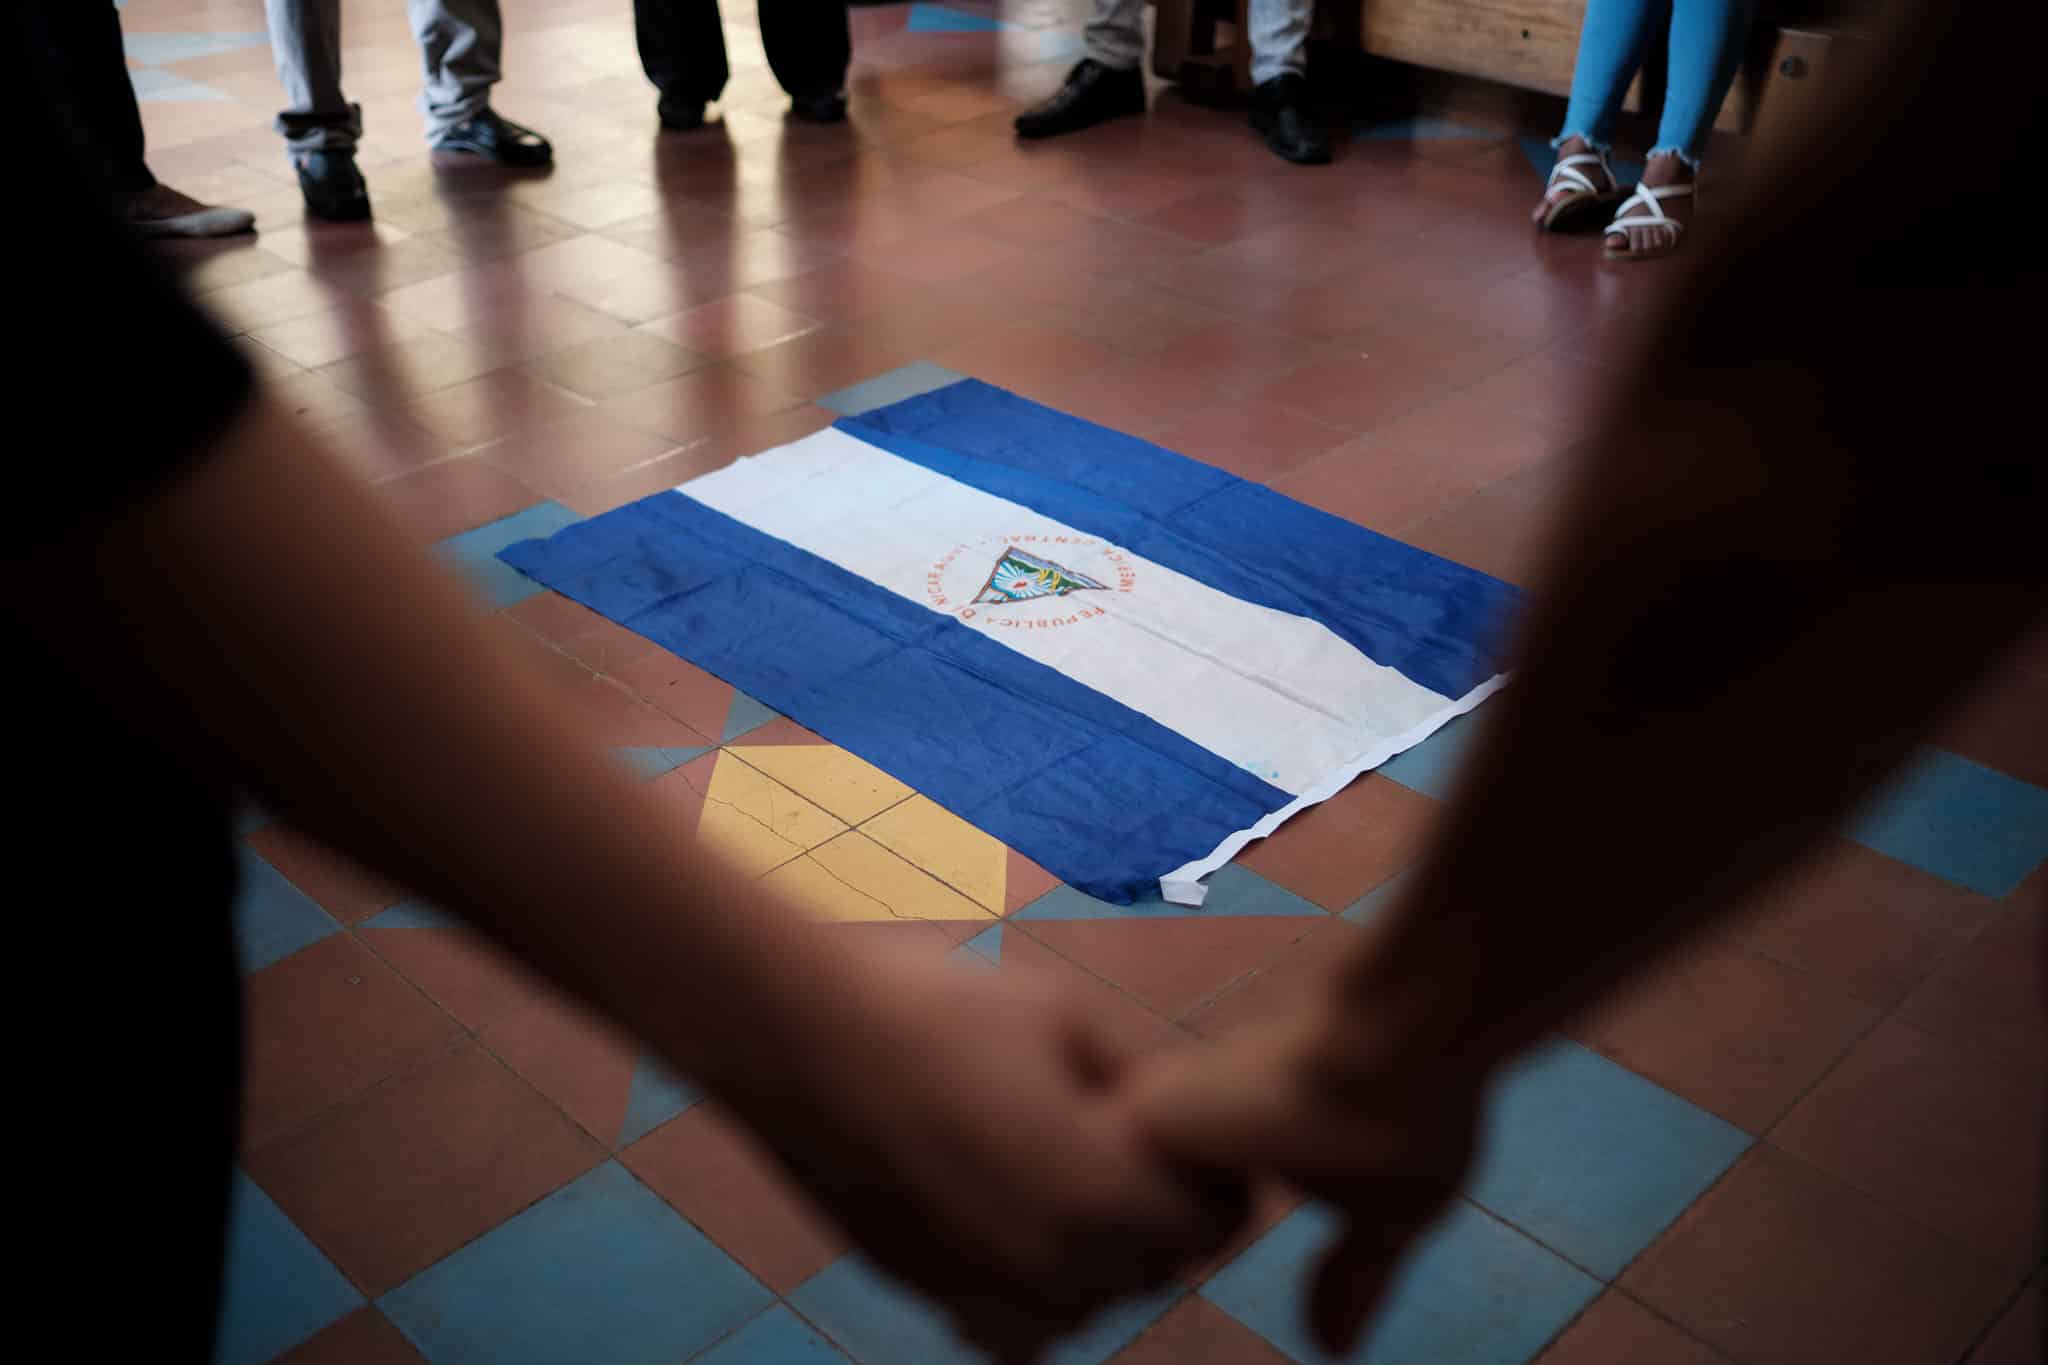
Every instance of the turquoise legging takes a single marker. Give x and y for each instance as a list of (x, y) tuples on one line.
[(1707, 38)]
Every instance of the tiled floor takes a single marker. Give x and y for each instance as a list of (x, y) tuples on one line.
[(1813, 1140)]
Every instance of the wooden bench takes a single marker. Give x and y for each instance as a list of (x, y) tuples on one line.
[(1525, 44)]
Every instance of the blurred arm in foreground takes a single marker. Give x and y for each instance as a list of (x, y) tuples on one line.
[(1811, 522)]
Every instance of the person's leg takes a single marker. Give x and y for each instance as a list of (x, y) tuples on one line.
[(682, 50), (1106, 84), (1612, 41), (809, 45), (1279, 36), (1707, 42), (1706, 45), (1280, 104), (82, 41), (305, 41), (460, 42), (1115, 37)]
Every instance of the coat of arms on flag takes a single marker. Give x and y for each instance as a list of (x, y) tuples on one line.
[(1019, 577), (1237, 657)]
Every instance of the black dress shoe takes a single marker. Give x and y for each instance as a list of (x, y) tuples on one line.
[(333, 187), (497, 138), (1093, 94), (829, 107), (680, 116), (1280, 111)]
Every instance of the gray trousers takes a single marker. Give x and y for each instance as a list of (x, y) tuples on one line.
[(1279, 35), (459, 45)]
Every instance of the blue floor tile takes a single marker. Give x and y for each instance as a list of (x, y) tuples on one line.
[(988, 943), (939, 19), (1431, 766), (1373, 902), (878, 1322), (1233, 890), (875, 1320), (474, 554), (1960, 820), (1474, 1293), (278, 1289), (777, 1337), (1594, 1161), (745, 715), (411, 915), (600, 1270), (273, 918), (1110, 1332), (913, 379), (656, 1097), (651, 762)]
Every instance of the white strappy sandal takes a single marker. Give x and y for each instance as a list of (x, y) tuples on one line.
[(1585, 194), (1650, 198)]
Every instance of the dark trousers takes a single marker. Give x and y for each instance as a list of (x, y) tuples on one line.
[(682, 46), (79, 42)]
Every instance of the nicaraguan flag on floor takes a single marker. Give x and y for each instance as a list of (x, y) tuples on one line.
[(1124, 664)]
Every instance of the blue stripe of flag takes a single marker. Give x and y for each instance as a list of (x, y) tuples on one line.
[(1100, 795)]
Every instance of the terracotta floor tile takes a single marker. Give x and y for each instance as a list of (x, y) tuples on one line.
[(1990, 992), (582, 1064), (459, 970), (2017, 1336), (1927, 1128), (715, 1174), (1336, 852), (732, 325), (1171, 965), (1251, 437), (1617, 1330), (364, 1337), (615, 365), (325, 1025), (1737, 1034), (1780, 1264), (491, 406), (403, 1175), (336, 884), (1277, 988), (1196, 1332), (443, 499), (698, 404), (1871, 925), (582, 448)]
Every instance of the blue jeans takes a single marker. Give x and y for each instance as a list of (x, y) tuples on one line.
[(1707, 39)]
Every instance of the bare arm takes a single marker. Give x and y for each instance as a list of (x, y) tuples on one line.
[(262, 614), (1810, 522)]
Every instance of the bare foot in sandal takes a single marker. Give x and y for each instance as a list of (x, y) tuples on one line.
[(1653, 219), (1580, 182)]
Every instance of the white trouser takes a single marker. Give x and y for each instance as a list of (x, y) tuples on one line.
[(1279, 35)]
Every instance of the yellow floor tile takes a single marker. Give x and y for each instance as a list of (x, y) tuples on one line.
[(849, 787), (755, 822), (854, 878), (946, 846)]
